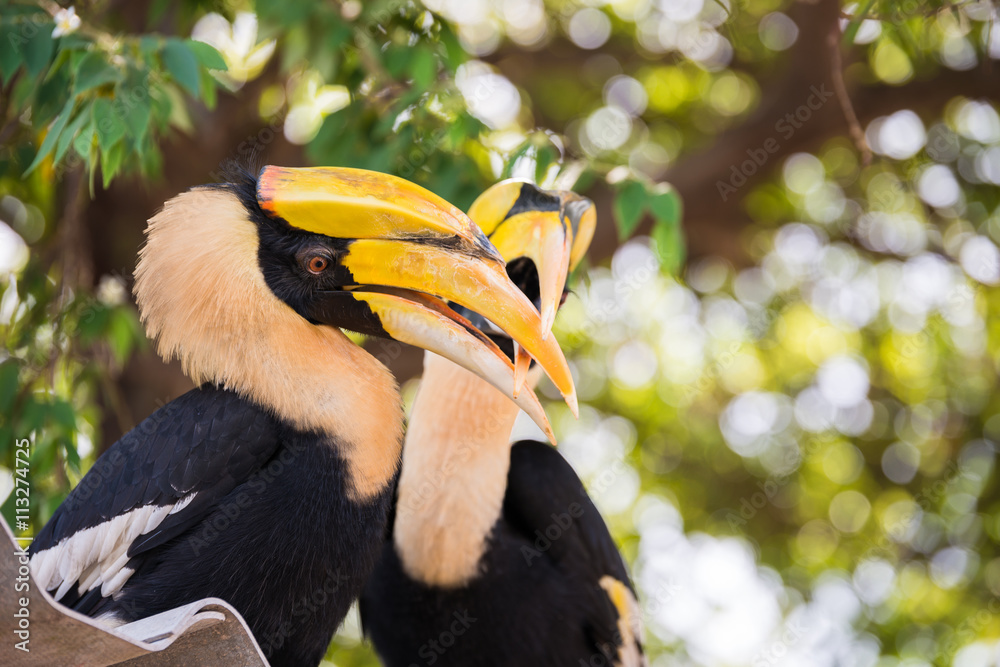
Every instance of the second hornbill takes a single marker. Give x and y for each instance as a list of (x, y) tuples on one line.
[(270, 485), (497, 556)]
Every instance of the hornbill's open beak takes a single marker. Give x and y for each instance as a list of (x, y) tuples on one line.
[(553, 229), (399, 250)]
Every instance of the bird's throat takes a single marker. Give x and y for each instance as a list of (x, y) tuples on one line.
[(455, 462)]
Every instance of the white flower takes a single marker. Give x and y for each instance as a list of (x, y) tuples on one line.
[(66, 22), (311, 102), (237, 42)]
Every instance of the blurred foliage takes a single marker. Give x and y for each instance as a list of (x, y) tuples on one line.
[(108, 96), (797, 454)]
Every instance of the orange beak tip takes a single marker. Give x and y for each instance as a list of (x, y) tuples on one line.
[(547, 429), (530, 404), (571, 401)]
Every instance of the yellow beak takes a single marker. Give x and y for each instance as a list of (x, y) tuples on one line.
[(401, 250), (551, 228)]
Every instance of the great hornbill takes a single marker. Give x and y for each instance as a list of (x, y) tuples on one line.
[(497, 556), (270, 484)]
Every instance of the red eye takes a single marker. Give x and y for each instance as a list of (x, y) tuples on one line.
[(317, 264)]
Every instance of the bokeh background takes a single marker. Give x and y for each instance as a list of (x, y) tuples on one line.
[(788, 408)]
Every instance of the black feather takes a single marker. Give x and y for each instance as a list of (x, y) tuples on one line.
[(270, 529), (537, 600)]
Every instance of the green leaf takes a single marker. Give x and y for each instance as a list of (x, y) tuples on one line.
[(38, 50), (396, 60), (9, 371), (182, 64), (295, 46), (74, 42), (28, 41), (93, 321), (12, 11), (666, 206), (50, 96), (111, 162), (207, 55), (162, 107), (149, 45), (72, 456), (10, 58), (123, 333), (62, 413), (61, 59), (151, 158), (50, 138), (455, 55), (109, 128), (133, 95), (179, 118), (323, 60), (545, 156), (907, 36), (70, 132), (32, 417), (94, 71), (668, 240), (667, 234), (628, 206), (208, 93), (84, 141), (423, 67)]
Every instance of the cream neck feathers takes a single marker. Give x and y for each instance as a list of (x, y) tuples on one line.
[(202, 296), (454, 476)]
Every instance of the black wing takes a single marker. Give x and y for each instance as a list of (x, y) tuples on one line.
[(160, 479), (547, 503)]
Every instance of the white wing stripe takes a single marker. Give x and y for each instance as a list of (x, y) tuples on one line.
[(115, 584), (110, 530), (66, 565), (81, 552), (98, 555), (112, 568), (183, 502), (90, 578), (44, 565), (63, 588), (155, 517)]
